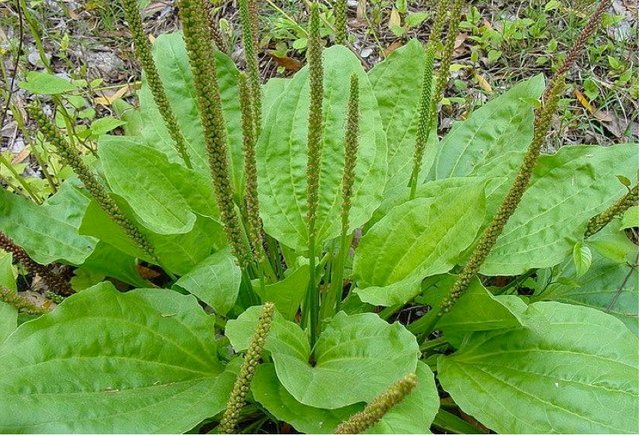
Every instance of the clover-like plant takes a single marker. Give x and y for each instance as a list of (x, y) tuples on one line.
[(307, 253)]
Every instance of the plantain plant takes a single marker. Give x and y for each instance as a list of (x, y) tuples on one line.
[(307, 253)]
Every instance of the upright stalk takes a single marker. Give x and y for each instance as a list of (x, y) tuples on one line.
[(201, 57), (314, 148), (352, 130), (428, 101), (143, 52), (511, 201), (98, 191), (340, 8), (249, 21)]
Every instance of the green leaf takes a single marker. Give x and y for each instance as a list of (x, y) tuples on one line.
[(105, 125), (581, 258), (570, 369), (173, 66), (417, 239), (396, 83), (106, 362), (164, 196), (412, 416), (7, 271), (98, 224), (177, 253), (415, 19), (566, 190), (630, 218), (282, 155), (46, 83), (112, 262), (215, 280), (489, 312), (494, 137), (356, 357), (269, 392), (287, 294), (8, 320), (609, 285), (49, 232), (271, 91), (127, 113)]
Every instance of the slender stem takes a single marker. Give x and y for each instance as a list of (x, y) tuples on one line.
[(25, 185)]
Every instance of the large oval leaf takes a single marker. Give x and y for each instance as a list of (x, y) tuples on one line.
[(106, 362), (215, 280), (173, 66), (570, 369), (48, 232), (497, 134), (165, 196), (282, 155), (396, 83), (356, 357), (566, 190), (419, 238), (412, 416)]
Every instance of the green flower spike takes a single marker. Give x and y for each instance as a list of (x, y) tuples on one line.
[(249, 21), (340, 8), (53, 281), (143, 52), (541, 127), (242, 385), (424, 117), (203, 65), (438, 21), (598, 222), (251, 176), (589, 29), (22, 304), (71, 157), (512, 199), (216, 34), (429, 102), (352, 131), (314, 149), (375, 410)]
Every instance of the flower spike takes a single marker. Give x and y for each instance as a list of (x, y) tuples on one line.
[(249, 20), (143, 53), (254, 223), (55, 282), (379, 407), (314, 153), (203, 64), (71, 157), (242, 385), (598, 222)]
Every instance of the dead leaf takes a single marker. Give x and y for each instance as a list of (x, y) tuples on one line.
[(602, 116), (391, 48), (460, 39), (361, 11), (288, 63), (458, 48), (394, 19), (20, 157), (107, 97), (483, 82), (147, 273)]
